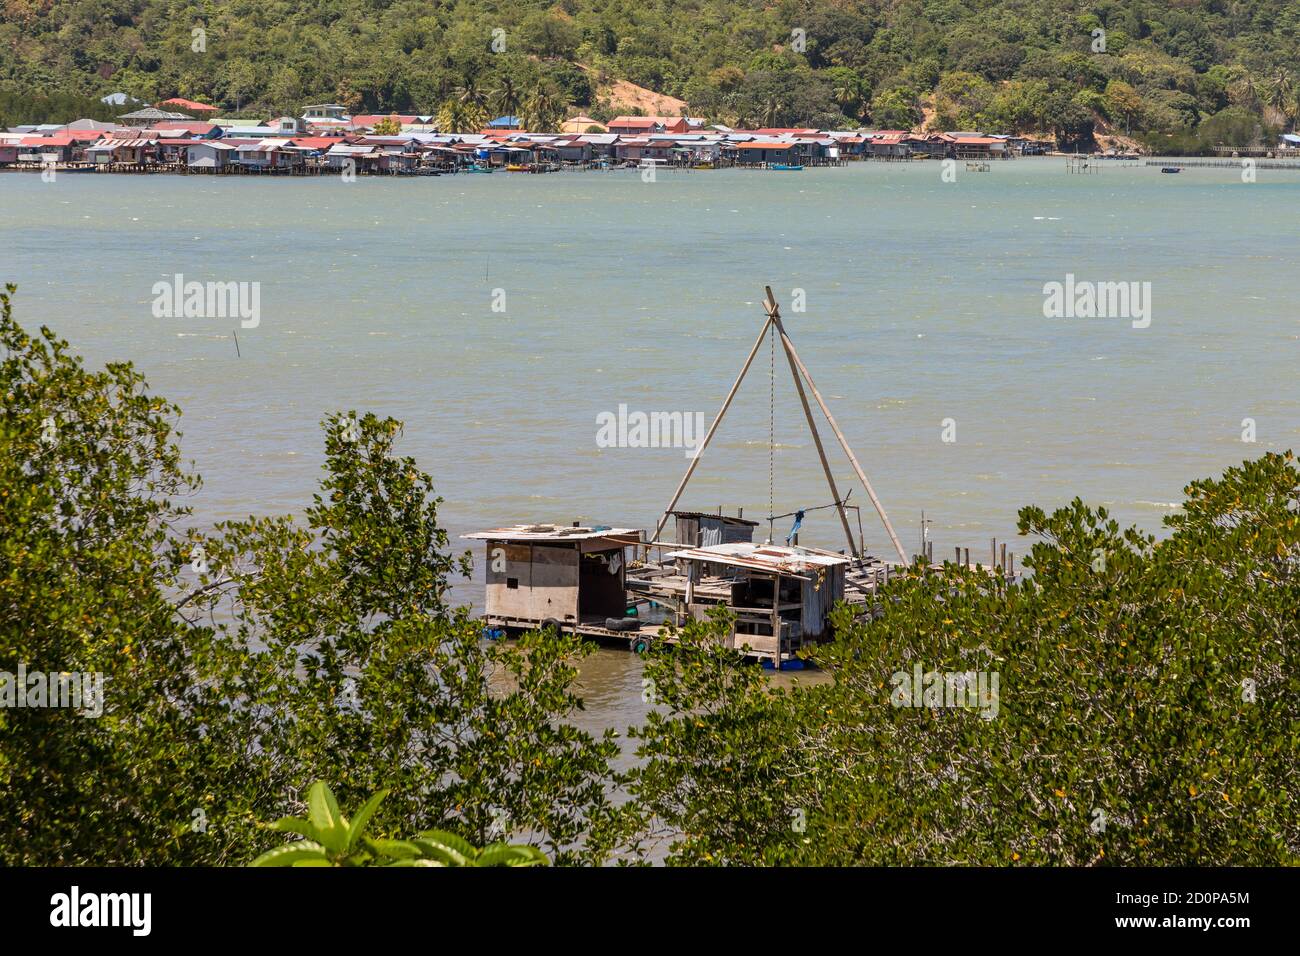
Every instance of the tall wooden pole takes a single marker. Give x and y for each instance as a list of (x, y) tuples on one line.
[(862, 476), (712, 428), (774, 314)]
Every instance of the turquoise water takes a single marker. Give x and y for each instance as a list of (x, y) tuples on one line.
[(924, 303)]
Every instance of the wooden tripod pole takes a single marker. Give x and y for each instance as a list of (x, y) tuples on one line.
[(862, 476), (699, 453), (774, 313)]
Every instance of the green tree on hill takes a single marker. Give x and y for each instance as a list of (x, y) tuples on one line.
[(1184, 61)]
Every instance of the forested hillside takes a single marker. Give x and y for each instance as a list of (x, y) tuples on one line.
[(1157, 69)]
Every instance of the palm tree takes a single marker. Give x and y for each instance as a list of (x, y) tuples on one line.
[(469, 94), (1242, 91), (773, 108), (851, 95), (452, 117), (505, 98), (1281, 92), (543, 110), (736, 111)]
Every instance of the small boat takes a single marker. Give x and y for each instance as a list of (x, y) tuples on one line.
[(1171, 169), (788, 167), (517, 168), (477, 169)]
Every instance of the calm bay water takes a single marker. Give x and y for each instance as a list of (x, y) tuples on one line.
[(924, 303)]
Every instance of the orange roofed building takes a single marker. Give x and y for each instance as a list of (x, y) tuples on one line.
[(642, 125)]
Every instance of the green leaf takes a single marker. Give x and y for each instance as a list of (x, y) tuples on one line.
[(448, 847), (363, 817), (294, 825), (323, 812), (292, 854), (499, 854), (416, 862), (394, 848)]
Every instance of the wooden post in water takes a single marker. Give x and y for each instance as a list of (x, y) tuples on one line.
[(776, 620)]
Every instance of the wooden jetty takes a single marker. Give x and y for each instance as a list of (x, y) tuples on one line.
[(596, 580)]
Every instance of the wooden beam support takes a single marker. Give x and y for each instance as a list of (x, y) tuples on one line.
[(862, 475), (712, 428), (774, 314)]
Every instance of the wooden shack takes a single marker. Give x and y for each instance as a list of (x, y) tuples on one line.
[(553, 574), (697, 529), (782, 597)]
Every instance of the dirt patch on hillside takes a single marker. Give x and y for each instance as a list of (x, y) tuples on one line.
[(625, 97)]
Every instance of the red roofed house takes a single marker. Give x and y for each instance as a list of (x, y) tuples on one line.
[(979, 147), (889, 144), (196, 128), (637, 149), (319, 144), (189, 105), (59, 148), (641, 125)]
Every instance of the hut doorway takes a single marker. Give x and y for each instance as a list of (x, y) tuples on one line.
[(601, 588)]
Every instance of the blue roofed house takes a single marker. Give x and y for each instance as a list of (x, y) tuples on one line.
[(505, 122), (1288, 141)]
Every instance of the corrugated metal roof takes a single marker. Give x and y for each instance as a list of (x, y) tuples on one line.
[(110, 145), (729, 519), (552, 532), (771, 558)]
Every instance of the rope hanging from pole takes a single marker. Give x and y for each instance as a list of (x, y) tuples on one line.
[(771, 431)]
